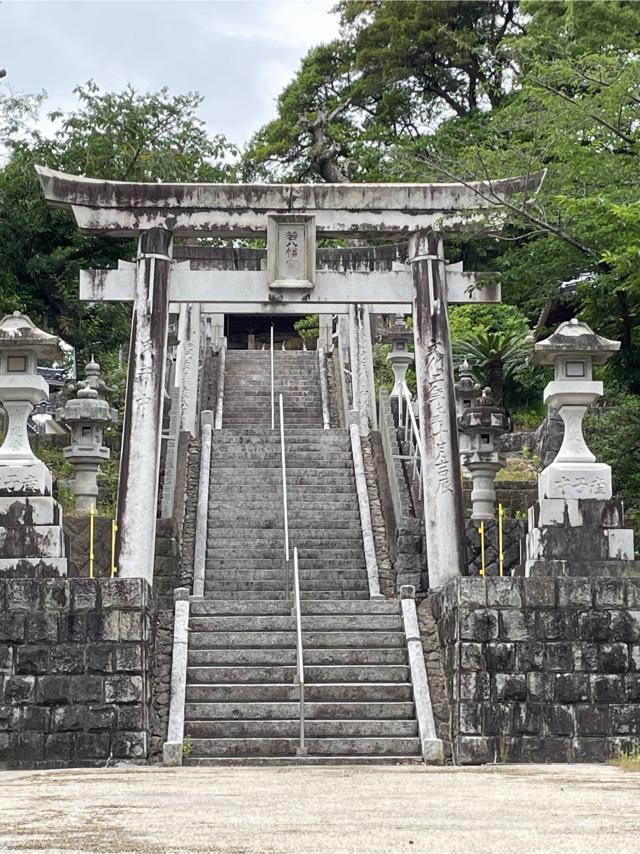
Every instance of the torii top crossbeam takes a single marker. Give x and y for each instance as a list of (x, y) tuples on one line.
[(238, 210)]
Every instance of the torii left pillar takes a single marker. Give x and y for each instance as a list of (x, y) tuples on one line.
[(443, 509), (141, 435)]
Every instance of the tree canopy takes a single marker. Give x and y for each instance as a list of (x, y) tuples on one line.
[(124, 136)]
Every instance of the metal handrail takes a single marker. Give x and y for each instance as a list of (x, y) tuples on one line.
[(301, 749), (273, 399), (407, 422), (284, 500)]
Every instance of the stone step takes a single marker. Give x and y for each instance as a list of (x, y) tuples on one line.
[(318, 746), (239, 573), (333, 673), (260, 511), (320, 729), (262, 467), (203, 638), (271, 529), (201, 607), (299, 761), (258, 435), (267, 656), (299, 491), (264, 563), (329, 595), (222, 552), (341, 692), (309, 585), (285, 710), (272, 540)]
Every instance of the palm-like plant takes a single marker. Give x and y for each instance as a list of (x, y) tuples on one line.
[(495, 357)]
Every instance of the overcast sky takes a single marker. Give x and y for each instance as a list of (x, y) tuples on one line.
[(239, 54)]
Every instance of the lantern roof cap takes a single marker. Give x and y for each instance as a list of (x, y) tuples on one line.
[(20, 332), (574, 338)]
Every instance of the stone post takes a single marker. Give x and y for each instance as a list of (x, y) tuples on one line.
[(361, 358), (326, 332), (482, 425), (187, 365), (443, 509), (140, 459)]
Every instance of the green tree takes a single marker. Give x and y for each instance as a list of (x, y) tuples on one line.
[(124, 136)]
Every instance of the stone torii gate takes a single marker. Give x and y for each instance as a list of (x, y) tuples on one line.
[(290, 216)]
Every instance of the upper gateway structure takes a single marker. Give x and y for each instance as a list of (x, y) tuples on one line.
[(240, 210), (289, 216)]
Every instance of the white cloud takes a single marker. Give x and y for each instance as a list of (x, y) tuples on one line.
[(238, 55)]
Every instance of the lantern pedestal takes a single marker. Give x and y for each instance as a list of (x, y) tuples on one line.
[(31, 538), (575, 527)]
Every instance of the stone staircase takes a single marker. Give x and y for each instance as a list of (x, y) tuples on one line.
[(245, 554), (247, 388), (242, 700), (242, 704)]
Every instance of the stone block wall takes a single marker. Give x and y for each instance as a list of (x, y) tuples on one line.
[(513, 533), (75, 671), (76, 529), (541, 669)]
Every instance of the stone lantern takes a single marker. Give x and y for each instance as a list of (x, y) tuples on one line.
[(483, 423), (573, 350), (466, 390), (31, 540), (399, 358), (21, 387), (87, 416), (574, 527)]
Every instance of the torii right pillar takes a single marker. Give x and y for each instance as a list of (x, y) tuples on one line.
[(443, 508)]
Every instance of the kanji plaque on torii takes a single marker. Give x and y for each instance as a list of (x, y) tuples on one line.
[(291, 252), (290, 214)]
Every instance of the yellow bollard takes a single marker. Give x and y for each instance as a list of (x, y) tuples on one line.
[(114, 529), (92, 514), (500, 540), (483, 568)]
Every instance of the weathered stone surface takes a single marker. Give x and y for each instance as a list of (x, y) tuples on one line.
[(76, 659), (547, 671)]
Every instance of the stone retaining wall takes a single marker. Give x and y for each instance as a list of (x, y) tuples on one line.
[(75, 671), (541, 669)]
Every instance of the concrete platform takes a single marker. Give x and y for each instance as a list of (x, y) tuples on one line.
[(322, 810)]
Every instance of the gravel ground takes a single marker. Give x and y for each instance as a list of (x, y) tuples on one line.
[(523, 809)]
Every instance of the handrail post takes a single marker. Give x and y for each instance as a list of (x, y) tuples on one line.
[(273, 399), (220, 395), (324, 385), (301, 750), (173, 746), (284, 499)]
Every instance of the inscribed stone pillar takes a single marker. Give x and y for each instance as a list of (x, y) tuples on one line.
[(187, 365), (140, 458), (443, 510), (361, 358)]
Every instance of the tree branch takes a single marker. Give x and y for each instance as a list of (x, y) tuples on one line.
[(492, 198)]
